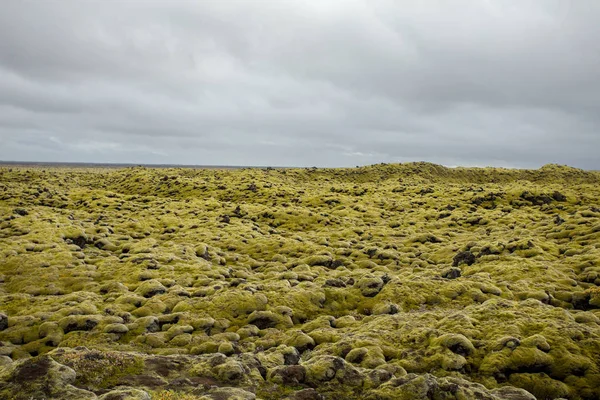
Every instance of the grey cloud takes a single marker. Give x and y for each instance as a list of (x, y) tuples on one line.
[(328, 83)]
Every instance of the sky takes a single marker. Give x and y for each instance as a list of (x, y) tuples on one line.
[(326, 83)]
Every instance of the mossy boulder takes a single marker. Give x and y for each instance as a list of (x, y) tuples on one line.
[(521, 359), (145, 324), (119, 329), (540, 385), (230, 371), (290, 375), (300, 340), (269, 319), (3, 321), (323, 369), (150, 288), (40, 377), (369, 286), (456, 343), (366, 357), (98, 370), (78, 323), (426, 386)]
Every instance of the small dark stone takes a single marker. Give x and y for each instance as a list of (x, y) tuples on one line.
[(464, 257), (153, 326), (537, 200), (217, 359), (93, 355), (179, 383), (334, 283), (451, 273), (205, 255), (292, 375), (88, 325), (557, 196), (237, 212), (264, 323), (385, 278), (3, 322), (263, 320), (79, 241), (459, 349), (291, 358), (168, 319), (378, 376), (21, 211)]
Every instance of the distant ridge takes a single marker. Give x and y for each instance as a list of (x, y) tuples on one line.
[(429, 172), (121, 165), (419, 171)]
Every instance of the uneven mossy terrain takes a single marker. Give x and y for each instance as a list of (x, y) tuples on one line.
[(383, 282)]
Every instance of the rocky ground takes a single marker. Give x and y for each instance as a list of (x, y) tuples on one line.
[(409, 281)]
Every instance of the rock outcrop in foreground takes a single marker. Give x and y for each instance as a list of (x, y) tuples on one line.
[(409, 281)]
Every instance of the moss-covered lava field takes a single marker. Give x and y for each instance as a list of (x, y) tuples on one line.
[(399, 281)]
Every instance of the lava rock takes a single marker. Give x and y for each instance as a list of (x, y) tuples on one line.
[(451, 273), (3, 322), (464, 257), (41, 378)]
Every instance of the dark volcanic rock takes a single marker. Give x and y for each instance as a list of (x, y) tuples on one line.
[(451, 273), (289, 375), (464, 257), (3, 321), (41, 378)]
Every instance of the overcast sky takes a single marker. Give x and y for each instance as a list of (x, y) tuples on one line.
[(301, 83)]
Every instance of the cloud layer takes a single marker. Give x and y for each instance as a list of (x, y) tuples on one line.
[(301, 83)]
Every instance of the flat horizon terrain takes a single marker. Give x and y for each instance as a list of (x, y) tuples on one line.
[(77, 165), (391, 281)]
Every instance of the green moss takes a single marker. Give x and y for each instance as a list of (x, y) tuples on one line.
[(369, 286), (324, 369), (119, 329), (310, 259), (456, 343), (300, 340), (100, 370), (540, 385), (269, 319), (207, 347), (150, 288), (521, 358)]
